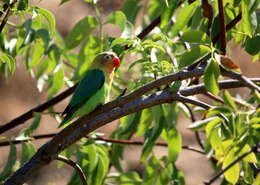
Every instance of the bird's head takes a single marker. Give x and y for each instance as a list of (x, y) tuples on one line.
[(107, 61)]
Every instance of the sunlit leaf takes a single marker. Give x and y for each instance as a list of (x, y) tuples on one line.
[(174, 144), (232, 174), (9, 60), (192, 55), (50, 17), (183, 17), (9, 164), (195, 37), (211, 75), (229, 101), (80, 31)]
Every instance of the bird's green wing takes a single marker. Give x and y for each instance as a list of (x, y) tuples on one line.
[(88, 86)]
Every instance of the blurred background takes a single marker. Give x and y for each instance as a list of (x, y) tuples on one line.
[(19, 94)]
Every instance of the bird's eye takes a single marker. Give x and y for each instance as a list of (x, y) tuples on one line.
[(107, 57)]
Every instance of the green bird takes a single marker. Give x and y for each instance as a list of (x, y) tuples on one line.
[(93, 90)]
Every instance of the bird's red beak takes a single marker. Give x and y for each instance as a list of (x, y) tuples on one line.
[(116, 61)]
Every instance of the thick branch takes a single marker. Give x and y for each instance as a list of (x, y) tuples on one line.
[(50, 150)]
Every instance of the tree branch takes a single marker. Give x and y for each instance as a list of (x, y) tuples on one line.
[(75, 166), (228, 27), (29, 114), (243, 79), (222, 28), (253, 149), (42, 136), (50, 150)]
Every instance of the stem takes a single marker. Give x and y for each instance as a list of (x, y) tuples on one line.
[(75, 166), (222, 27), (100, 27)]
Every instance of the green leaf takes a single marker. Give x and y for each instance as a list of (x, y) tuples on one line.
[(5, 58), (151, 171), (211, 75), (232, 174), (153, 133), (216, 142), (54, 57), (145, 121), (43, 34), (129, 178), (252, 45), (80, 31), (183, 17), (212, 124), (155, 8), (246, 22), (38, 51), (101, 168), (28, 150), (251, 158), (41, 68), (229, 101), (168, 12), (248, 173), (192, 55), (257, 179), (163, 177), (35, 124), (22, 5), (10, 163), (57, 81), (174, 144), (131, 9), (118, 18), (140, 61), (195, 37), (201, 124), (50, 18), (87, 53), (63, 1)]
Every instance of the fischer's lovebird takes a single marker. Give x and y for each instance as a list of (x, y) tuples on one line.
[(93, 90)]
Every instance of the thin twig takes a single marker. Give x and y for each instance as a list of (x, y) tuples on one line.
[(125, 142), (29, 114), (42, 136), (5, 19), (75, 166), (253, 149), (197, 136), (222, 32), (216, 98)]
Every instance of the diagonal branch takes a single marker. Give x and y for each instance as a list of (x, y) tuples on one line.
[(253, 149), (29, 114), (243, 79), (50, 150)]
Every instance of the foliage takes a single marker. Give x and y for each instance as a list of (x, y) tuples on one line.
[(231, 128)]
